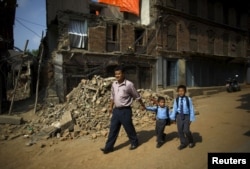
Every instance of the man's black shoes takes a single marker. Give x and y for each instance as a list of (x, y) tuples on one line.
[(133, 147), (159, 144), (191, 145), (182, 146), (106, 151)]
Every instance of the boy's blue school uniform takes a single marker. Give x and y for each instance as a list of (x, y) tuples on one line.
[(187, 111), (161, 116), (183, 122), (162, 112)]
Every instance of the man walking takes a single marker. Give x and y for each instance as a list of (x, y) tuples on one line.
[(122, 94)]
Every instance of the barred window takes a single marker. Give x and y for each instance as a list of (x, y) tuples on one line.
[(193, 40)]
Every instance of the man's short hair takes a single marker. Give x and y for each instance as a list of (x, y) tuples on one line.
[(182, 87), (119, 68)]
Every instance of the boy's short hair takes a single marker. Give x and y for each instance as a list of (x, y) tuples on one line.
[(182, 87), (160, 98), (120, 68)]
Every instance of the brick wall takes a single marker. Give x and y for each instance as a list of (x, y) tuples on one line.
[(183, 36), (97, 39)]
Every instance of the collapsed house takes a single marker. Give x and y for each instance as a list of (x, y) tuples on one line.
[(90, 44), (25, 83), (198, 43)]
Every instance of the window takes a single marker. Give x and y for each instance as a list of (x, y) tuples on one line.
[(112, 32), (238, 19), (113, 37), (193, 42), (78, 33), (193, 7), (218, 12), (238, 45), (171, 36), (210, 10), (139, 33), (225, 43), (225, 15), (139, 40), (211, 42)]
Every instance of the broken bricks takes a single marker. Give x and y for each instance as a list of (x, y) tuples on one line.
[(87, 106), (85, 112)]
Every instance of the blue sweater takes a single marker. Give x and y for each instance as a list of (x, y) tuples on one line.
[(162, 112)]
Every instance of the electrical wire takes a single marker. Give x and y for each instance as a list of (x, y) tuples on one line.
[(28, 28), (25, 20)]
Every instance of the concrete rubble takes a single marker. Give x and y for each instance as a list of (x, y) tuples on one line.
[(85, 113)]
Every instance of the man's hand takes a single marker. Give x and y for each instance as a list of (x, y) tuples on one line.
[(110, 110), (111, 107), (142, 104)]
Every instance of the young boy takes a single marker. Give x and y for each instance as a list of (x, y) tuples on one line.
[(162, 115), (183, 113)]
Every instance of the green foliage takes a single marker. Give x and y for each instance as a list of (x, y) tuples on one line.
[(33, 52)]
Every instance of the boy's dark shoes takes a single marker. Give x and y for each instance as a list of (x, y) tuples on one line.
[(191, 145), (159, 144), (105, 151), (181, 147)]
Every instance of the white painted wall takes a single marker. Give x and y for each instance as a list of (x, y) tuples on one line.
[(145, 12)]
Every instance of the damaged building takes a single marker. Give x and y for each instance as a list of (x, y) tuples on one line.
[(88, 38), (171, 42), (7, 18)]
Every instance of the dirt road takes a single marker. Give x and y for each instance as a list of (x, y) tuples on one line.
[(222, 126)]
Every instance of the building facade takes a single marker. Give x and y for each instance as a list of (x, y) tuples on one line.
[(201, 42), (193, 42), (7, 18)]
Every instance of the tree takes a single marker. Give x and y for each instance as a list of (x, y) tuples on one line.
[(33, 52)]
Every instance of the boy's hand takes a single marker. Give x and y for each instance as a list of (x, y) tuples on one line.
[(143, 108), (153, 100)]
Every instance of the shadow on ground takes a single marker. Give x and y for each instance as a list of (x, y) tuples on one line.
[(143, 137), (245, 102), (197, 137)]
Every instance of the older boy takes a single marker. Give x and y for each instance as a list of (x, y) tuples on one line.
[(183, 113)]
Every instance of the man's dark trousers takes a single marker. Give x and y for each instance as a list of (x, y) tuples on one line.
[(183, 126), (121, 116), (159, 128)]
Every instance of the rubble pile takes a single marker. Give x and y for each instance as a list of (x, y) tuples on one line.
[(89, 104), (86, 112)]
